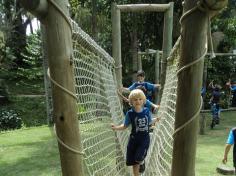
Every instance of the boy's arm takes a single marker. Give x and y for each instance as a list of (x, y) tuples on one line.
[(118, 127), (155, 120), (122, 96), (125, 89), (227, 149), (157, 86), (154, 106), (211, 85)]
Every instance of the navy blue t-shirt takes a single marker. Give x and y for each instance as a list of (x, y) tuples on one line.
[(140, 121), (216, 96)]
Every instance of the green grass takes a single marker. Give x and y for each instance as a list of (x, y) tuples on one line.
[(210, 147), (33, 151), (29, 152)]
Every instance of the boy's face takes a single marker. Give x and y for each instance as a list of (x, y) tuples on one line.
[(137, 102), (140, 78)]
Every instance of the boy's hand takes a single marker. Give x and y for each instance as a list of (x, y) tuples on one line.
[(224, 161), (158, 119), (113, 127)]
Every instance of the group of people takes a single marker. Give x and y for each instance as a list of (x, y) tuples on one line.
[(139, 116)]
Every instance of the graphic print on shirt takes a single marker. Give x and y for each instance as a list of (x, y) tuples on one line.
[(141, 124)]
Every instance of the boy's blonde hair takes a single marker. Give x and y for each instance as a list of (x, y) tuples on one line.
[(137, 93)]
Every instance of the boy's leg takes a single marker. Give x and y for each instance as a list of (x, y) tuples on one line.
[(136, 170), (142, 152), (142, 167)]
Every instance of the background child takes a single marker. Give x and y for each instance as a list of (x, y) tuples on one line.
[(231, 141), (232, 86), (140, 119), (146, 87), (215, 103)]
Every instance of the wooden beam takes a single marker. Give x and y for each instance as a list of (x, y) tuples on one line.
[(222, 54), (144, 7), (60, 53), (193, 46)]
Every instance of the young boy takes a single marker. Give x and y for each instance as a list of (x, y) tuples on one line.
[(232, 86), (147, 87), (140, 119), (231, 141), (215, 103)]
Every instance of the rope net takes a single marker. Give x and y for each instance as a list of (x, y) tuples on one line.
[(99, 106)]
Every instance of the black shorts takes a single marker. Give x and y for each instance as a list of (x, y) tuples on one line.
[(137, 149)]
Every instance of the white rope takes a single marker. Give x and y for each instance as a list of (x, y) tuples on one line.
[(66, 146), (61, 87)]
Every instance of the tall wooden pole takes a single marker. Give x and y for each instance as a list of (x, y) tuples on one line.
[(59, 43), (116, 43), (202, 120), (47, 83), (157, 75), (140, 67), (193, 46), (167, 42)]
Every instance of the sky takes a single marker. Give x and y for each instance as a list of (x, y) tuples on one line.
[(35, 24)]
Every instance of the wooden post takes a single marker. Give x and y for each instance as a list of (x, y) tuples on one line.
[(140, 67), (134, 46), (47, 83), (193, 46), (167, 43), (116, 53), (202, 116), (157, 76), (59, 44), (116, 43)]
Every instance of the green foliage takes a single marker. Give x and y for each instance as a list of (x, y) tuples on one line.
[(31, 69), (9, 120), (32, 110), (226, 22), (32, 59)]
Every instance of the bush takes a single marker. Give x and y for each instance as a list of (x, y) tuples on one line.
[(9, 120)]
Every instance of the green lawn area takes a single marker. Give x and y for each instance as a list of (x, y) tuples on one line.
[(29, 152), (33, 151)]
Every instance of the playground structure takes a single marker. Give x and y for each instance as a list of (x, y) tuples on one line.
[(84, 82)]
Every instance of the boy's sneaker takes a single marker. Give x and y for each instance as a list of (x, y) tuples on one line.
[(142, 167)]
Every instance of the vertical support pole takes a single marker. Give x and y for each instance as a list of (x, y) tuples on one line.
[(59, 44), (47, 83), (116, 54), (53, 14), (140, 67), (167, 42), (192, 47), (116, 43), (202, 116), (157, 71)]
